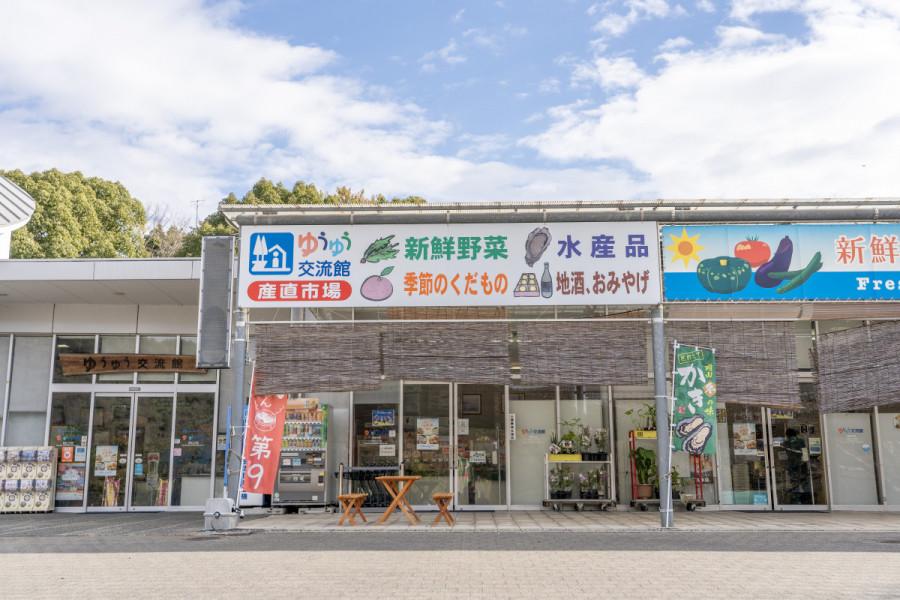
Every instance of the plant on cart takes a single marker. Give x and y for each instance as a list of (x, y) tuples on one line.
[(644, 471), (584, 485), (567, 480), (600, 442), (644, 418), (554, 444), (598, 482), (555, 485), (571, 439)]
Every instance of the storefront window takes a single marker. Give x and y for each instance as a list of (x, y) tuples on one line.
[(157, 345), (70, 415), (535, 412), (69, 344), (889, 451), (376, 416), (426, 407), (481, 444), (116, 344), (851, 458), (192, 456), (189, 348), (29, 390)]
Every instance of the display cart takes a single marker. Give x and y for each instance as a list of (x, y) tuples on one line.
[(690, 501), (633, 437), (607, 502)]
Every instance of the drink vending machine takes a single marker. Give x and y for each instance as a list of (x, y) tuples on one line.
[(305, 456)]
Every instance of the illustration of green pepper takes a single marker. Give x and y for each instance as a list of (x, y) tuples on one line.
[(798, 278)]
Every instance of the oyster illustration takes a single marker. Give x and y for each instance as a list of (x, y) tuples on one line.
[(696, 441), (538, 241), (684, 427)]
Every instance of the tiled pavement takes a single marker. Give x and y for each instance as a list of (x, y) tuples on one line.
[(590, 521)]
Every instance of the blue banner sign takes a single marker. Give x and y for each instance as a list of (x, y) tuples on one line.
[(781, 262)]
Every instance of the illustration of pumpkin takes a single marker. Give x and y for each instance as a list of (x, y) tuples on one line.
[(724, 274)]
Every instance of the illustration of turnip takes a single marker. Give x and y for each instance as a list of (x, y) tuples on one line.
[(376, 287)]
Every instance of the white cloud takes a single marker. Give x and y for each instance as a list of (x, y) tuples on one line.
[(675, 44), (609, 73), (742, 10), (458, 16), (449, 55), (768, 121), (549, 86), (746, 36), (615, 25), (706, 6)]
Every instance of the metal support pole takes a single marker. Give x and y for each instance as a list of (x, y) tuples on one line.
[(237, 389), (663, 456)]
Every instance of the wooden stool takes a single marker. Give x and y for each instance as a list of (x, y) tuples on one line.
[(441, 499), (352, 505)]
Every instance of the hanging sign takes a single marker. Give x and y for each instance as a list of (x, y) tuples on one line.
[(81, 364), (694, 412), (782, 262), (466, 264), (262, 442)]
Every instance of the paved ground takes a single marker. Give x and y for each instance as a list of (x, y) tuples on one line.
[(487, 555)]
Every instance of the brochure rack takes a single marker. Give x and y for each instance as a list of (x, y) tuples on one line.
[(27, 478)]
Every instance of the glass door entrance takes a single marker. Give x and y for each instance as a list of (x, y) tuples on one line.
[(454, 438), (131, 442)]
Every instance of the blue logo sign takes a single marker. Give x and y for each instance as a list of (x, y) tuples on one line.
[(271, 253)]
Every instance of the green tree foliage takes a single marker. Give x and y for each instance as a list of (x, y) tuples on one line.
[(266, 192), (78, 217)]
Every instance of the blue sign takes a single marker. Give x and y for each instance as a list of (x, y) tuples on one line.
[(781, 262), (271, 253), (382, 418)]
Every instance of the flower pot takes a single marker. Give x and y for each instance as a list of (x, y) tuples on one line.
[(643, 491), (565, 494), (564, 457), (602, 456)]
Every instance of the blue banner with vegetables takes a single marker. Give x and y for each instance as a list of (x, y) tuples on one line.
[(781, 262)]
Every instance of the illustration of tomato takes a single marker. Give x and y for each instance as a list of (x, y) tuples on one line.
[(753, 251)]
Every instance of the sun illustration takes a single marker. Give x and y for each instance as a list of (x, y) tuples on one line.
[(685, 247)]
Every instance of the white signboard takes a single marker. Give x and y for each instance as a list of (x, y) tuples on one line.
[(449, 265)]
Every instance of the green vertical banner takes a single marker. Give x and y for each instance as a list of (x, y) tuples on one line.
[(694, 412)]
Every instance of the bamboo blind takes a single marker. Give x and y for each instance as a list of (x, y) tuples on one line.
[(316, 358), (756, 362), (857, 368), (476, 352), (589, 352)]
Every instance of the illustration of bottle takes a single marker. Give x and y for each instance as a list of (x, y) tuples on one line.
[(546, 282)]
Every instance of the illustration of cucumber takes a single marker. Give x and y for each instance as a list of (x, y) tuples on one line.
[(801, 276)]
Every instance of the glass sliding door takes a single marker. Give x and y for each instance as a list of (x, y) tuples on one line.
[(481, 446), (795, 456), (426, 439), (110, 446), (741, 448), (889, 451), (851, 458), (152, 447), (535, 417), (192, 449)]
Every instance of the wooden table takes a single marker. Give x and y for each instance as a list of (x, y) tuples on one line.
[(398, 486)]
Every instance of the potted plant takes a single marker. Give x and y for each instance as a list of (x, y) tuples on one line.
[(570, 442), (584, 486), (565, 479), (598, 482), (555, 483), (644, 469), (600, 443), (644, 418)]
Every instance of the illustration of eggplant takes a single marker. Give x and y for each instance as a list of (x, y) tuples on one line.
[(780, 262), (684, 427), (696, 442), (381, 249), (537, 242)]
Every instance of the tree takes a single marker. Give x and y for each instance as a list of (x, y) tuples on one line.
[(78, 217), (266, 192), (165, 233)]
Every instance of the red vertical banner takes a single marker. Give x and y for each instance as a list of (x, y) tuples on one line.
[(262, 444)]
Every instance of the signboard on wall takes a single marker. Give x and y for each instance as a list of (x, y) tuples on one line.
[(781, 262), (449, 265)]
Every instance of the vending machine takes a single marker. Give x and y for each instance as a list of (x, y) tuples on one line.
[(305, 457)]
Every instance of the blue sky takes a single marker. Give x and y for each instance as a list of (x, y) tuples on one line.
[(536, 100)]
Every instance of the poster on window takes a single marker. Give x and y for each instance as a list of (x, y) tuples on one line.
[(105, 461), (694, 412), (70, 481), (744, 439), (427, 434)]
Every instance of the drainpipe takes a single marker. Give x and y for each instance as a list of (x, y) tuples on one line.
[(663, 456), (238, 374)]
